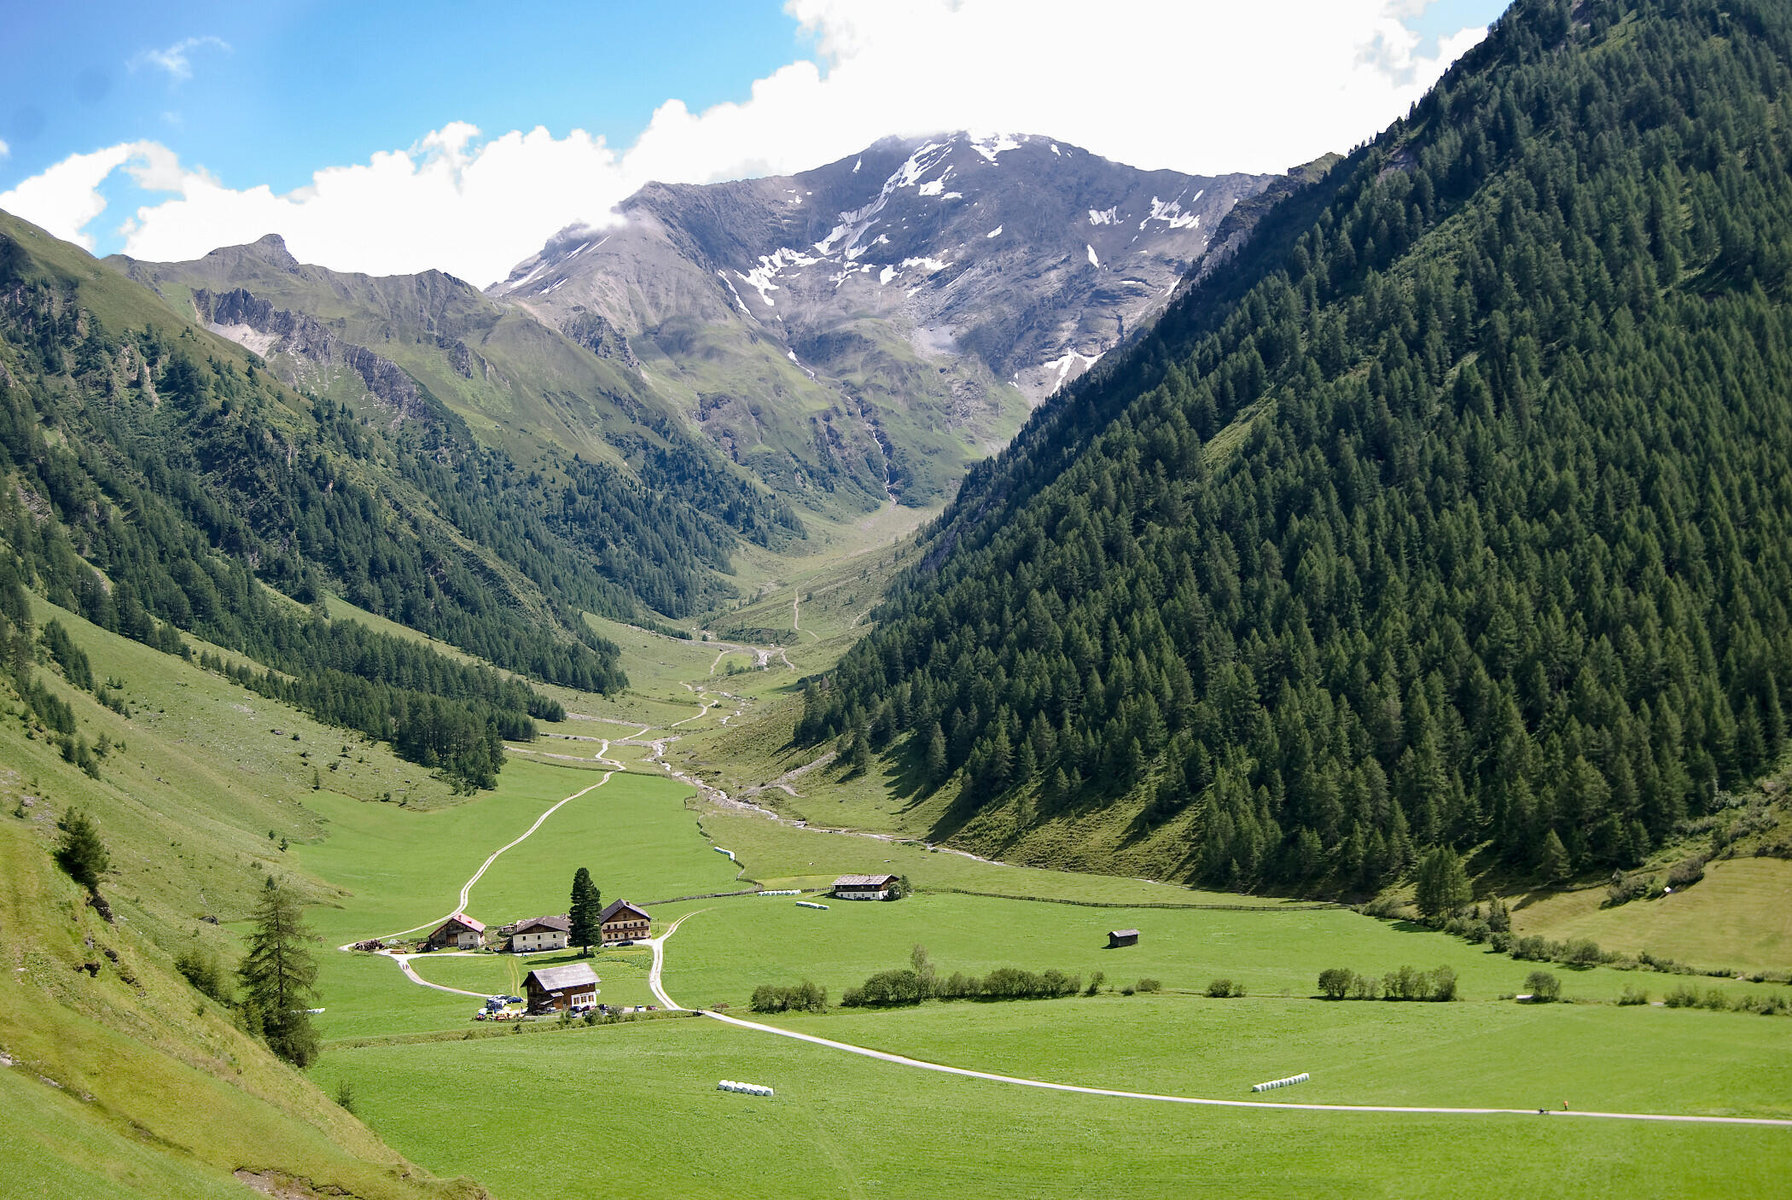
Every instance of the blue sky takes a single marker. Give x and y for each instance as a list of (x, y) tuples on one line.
[(213, 120)]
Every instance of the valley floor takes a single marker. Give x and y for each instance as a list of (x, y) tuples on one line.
[(1142, 1094)]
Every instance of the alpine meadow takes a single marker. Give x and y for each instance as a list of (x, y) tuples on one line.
[(882, 657)]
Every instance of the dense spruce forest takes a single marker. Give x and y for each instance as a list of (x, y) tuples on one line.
[(1454, 510), (152, 486)]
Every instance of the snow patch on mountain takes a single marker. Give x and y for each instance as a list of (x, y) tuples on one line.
[(993, 145), (1093, 261), (1171, 214), (1108, 216)]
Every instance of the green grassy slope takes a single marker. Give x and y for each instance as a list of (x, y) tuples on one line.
[(127, 1082)]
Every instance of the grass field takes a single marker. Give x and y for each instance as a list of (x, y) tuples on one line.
[(1737, 917), (847, 1126), (732, 945)]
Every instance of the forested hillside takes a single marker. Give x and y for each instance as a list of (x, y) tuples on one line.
[(1454, 510), (155, 480)]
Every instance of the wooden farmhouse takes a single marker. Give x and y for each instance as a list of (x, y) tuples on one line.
[(621, 922), (1122, 937), (459, 931), (560, 989), (539, 933), (865, 887)]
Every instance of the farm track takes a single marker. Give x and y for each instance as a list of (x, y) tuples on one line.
[(655, 982)]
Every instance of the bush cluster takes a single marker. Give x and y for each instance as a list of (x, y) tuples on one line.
[(1219, 988), (904, 986), (1405, 983), (1685, 996), (804, 997), (1573, 951), (202, 969)]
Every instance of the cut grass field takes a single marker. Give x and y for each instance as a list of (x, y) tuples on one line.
[(847, 1126), (1736, 918)]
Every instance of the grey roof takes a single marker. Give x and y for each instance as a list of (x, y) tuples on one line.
[(555, 979), (616, 906), (562, 924), (1120, 933), (863, 881)]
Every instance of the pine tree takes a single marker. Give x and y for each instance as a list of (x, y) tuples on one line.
[(587, 903), (278, 973), (1442, 884), (81, 853), (1553, 864)]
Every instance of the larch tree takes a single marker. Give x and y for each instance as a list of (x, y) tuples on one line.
[(279, 974)]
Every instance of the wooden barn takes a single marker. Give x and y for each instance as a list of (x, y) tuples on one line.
[(621, 922), (539, 933), (865, 887), (459, 931), (1122, 937), (560, 989)]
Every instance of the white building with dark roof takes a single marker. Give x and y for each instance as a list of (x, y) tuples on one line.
[(460, 931), (866, 887), (539, 933)]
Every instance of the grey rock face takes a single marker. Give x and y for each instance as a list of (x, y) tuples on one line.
[(1032, 256), (304, 349)]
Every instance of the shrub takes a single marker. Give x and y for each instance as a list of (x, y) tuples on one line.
[(1334, 982), (957, 986), (1633, 995), (202, 969), (1581, 952), (804, 997), (1478, 932), (1442, 984), (1687, 871), (1715, 1000), (1543, 986), (1095, 982), (885, 989), (1405, 983), (1364, 987), (1127, 990), (1501, 941), (1151, 985), (1218, 988), (1682, 996), (1765, 1006), (1531, 949)]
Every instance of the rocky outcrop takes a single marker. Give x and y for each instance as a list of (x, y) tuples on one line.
[(301, 349)]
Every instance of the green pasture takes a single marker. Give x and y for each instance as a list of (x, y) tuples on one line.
[(729, 946), (843, 1125), (1461, 1055), (1736, 918)]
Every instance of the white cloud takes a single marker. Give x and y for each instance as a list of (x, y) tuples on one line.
[(65, 199), (1203, 87), (175, 59), (4, 149)]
